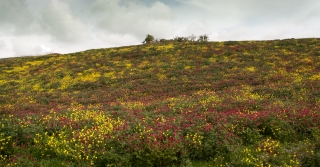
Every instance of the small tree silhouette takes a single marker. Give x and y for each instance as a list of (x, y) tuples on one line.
[(203, 38), (148, 39), (181, 39)]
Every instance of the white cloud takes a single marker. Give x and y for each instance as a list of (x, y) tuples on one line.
[(310, 18), (41, 49), (113, 40), (240, 33), (20, 48), (2, 44), (58, 21), (133, 18), (31, 45), (29, 27), (198, 27)]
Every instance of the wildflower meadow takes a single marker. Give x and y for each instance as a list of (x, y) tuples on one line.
[(232, 103)]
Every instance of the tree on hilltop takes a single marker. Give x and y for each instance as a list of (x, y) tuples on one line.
[(192, 38), (148, 39), (181, 39), (203, 38)]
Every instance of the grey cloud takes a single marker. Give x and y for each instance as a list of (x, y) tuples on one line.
[(133, 18), (64, 26), (57, 20), (15, 12), (251, 11), (14, 15), (248, 6), (171, 3)]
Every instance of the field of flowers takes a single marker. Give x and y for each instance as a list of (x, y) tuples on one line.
[(249, 103)]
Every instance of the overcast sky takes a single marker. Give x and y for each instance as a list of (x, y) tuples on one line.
[(36, 27)]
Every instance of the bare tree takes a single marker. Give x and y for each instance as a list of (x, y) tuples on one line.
[(192, 38)]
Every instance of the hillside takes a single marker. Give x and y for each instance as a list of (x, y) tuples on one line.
[(245, 103)]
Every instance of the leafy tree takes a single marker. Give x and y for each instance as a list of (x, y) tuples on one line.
[(148, 39), (203, 38), (181, 39), (162, 40)]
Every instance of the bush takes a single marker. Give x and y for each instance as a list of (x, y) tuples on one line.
[(148, 39)]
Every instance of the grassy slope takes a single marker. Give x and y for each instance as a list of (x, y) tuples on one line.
[(243, 80)]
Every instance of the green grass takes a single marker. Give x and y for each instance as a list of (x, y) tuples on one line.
[(235, 103)]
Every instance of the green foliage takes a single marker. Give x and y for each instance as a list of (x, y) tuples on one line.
[(187, 103), (203, 38), (148, 39)]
